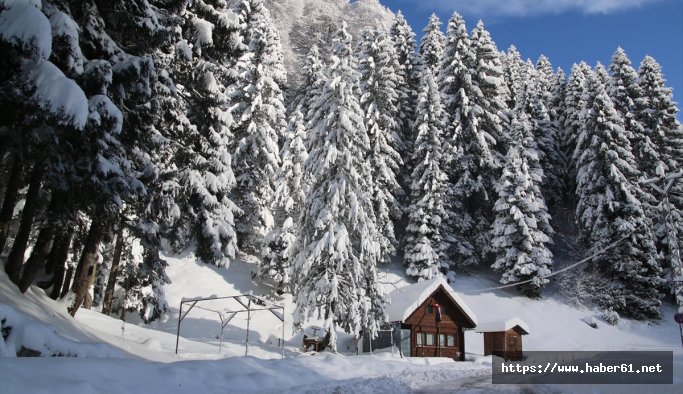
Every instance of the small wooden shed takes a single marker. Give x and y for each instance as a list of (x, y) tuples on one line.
[(429, 319), (504, 338)]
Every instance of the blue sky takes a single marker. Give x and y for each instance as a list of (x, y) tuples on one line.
[(568, 31)]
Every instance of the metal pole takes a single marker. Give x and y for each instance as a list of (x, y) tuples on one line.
[(392, 340), (220, 343), (177, 335), (246, 345)]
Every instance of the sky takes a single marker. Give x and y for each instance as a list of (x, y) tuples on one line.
[(568, 31)]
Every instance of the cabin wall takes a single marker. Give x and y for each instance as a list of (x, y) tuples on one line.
[(438, 339), (507, 345)]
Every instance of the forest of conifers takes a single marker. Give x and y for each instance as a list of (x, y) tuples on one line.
[(133, 129)]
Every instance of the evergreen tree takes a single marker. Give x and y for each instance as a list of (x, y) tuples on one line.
[(489, 78), (596, 79), (657, 111), (547, 137), (575, 105), (289, 196), (379, 81), (425, 247), (472, 89), (455, 85), (213, 31), (260, 116), (609, 209), (335, 272), (431, 45), (521, 231), (311, 88), (557, 104), (625, 94), (405, 47), (515, 74)]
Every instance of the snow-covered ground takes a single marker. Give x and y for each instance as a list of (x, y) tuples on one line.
[(127, 358)]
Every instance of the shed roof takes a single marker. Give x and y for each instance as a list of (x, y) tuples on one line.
[(408, 298), (503, 325)]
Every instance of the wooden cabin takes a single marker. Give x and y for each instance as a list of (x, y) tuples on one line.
[(504, 338), (428, 319)]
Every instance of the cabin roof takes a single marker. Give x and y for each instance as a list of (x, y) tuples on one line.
[(503, 325), (405, 300)]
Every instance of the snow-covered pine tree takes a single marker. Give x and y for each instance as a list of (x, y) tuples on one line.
[(431, 45), (657, 111), (404, 43), (472, 89), (521, 230), (489, 78), (515, 72), (260, 117), (41, 106), (455, 86), (558, 91), (544, 80), (609, 209), (598, 77), (211, 44), (547, 135), (292, 185), (313, 82), (139, 286), (335, 270), (626, 94), (574, 108), (379, 82), (425, 250)]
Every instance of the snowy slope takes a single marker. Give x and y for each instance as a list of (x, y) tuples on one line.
[(143, 359)]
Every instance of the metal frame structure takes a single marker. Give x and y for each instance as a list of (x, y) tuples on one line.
[(249, 303)]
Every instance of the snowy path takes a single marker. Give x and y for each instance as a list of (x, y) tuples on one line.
[(482, 384)]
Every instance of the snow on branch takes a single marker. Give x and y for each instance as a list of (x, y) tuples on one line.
[(55, 93)]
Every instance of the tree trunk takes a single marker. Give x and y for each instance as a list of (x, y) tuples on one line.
[(37, 259), (86, 264), (10, 201), (16, 255), (58, 256), (67, 282), (113, 273)]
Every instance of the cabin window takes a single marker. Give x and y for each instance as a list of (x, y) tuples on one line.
[(430, 309), (442, 340), (429, 339), (450, 341), (418, 339)]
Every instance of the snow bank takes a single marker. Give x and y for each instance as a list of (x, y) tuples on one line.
[(20, 331)]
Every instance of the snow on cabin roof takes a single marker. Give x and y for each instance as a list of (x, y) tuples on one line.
[(408, 298), (499, 326)]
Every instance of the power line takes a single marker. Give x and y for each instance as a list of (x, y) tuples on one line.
[(567, 268)]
